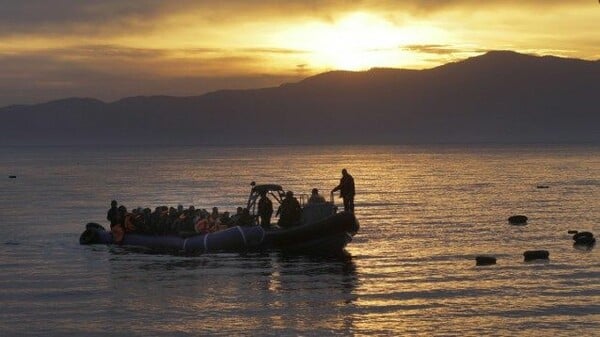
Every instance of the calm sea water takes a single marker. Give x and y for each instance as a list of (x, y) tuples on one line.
[(425, 213)]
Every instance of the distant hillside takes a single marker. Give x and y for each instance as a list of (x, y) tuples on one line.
[(500, 96)]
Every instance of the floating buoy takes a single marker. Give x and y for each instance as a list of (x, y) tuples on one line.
[(543, 186), (517, 220), (585, 246), (582, 235), (531, 255), (12, 177), (584, 238), (484, 260), (572, 231), (586, 241)]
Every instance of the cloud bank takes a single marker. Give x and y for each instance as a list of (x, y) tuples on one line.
[(110, 49)]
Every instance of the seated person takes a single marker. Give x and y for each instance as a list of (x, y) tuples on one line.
[(242, 217), (290, 211), (315, 197)]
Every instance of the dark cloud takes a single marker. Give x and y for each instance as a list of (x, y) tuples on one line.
[(72, 16), (109, 50), (271, 51), (117, 56), (98, 17), (431, 49), (110, 72), (441, 49), (99, 68)]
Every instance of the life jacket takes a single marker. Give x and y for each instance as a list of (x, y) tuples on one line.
[(117, 233), (201, 226), (213, 223), (129, 223)]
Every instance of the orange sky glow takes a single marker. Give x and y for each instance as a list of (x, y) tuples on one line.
[(111, 50)]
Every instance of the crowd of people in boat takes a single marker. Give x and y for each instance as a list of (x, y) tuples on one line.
[(174, 221), (191, 221)]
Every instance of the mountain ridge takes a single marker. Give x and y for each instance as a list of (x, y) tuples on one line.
[(500, 96)]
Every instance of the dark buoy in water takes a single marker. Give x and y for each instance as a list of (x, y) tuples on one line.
[(543, 186), (584, 238), (517, 220), (572, 231), (12, 177), (531, 255), (484, 260)]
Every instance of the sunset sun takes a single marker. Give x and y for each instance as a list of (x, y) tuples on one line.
[(358, 41)]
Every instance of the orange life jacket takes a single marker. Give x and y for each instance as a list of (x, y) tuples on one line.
[(201, 226), (129, 223), (118, 233)]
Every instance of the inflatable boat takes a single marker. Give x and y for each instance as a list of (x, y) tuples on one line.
[(322, 231)]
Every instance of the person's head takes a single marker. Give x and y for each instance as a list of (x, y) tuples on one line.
[(289, 194), (344, 172), (239, 210), (113, 203), (314, 191), (215, 210)]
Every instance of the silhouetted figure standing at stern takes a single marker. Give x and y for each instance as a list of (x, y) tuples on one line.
[(346, 188), (265, 210), (113, 214)]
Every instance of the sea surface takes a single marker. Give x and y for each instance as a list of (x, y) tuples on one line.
[(425, 213)]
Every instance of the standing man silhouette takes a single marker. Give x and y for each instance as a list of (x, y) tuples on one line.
[(346, 188), (113, 214), (265, 210)]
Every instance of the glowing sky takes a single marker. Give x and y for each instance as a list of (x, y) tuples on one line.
[(111, 49)]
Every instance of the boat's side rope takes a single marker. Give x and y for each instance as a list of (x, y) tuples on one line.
[(243, 235), (206, 243)]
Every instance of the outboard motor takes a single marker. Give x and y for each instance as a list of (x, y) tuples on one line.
[(91, 236)]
